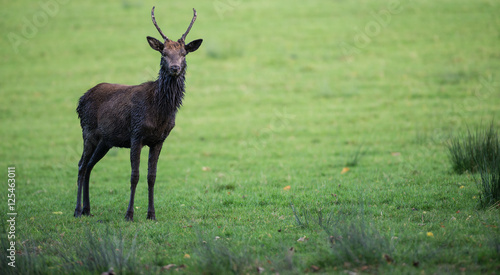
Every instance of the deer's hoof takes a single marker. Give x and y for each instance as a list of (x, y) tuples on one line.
[(129, 216), (86, 212), (78, 213), (151, 216)]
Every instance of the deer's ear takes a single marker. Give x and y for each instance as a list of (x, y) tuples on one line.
[(155, 44), (193, 45)]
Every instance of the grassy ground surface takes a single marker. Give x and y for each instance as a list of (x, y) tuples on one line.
[(341, 109)]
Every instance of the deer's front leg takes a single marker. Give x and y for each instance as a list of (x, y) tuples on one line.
[(154, 153), (135, 160)]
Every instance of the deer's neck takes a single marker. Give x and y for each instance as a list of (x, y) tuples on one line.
[(170, 91)]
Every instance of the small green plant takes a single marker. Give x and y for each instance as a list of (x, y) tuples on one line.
[(223, 187), (474, 151), (355, 157), (302, 220)]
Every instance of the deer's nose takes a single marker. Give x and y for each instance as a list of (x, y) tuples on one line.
[(175, 68)]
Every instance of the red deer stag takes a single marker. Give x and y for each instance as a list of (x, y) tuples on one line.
[(113, 115)]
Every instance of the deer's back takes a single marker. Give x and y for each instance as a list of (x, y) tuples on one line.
[(109, 111)]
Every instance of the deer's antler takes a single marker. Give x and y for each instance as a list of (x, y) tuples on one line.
[(183, 38), (156, 25)]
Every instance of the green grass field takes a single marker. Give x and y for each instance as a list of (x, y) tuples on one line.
[(281, 98)]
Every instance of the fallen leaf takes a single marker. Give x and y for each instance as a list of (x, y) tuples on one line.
[(205, 168), (302, 239), (315, 268), (429, 234), (288, 187), (187, 256), (217, 237), (344, 170), (396, 154), (57, 213), (260, 269)]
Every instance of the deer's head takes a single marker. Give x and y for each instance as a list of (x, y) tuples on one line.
[(173, 52)]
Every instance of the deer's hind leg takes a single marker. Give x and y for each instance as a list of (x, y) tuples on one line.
[(88, 151), (99, 152)]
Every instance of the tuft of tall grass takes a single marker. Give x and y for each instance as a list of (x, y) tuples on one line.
[(488, 184), (220, 257), (27, 258), (352, 239), (97, 253), (215, 257), (357, 242), (479, 152), (101, 252), (475, 150)]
